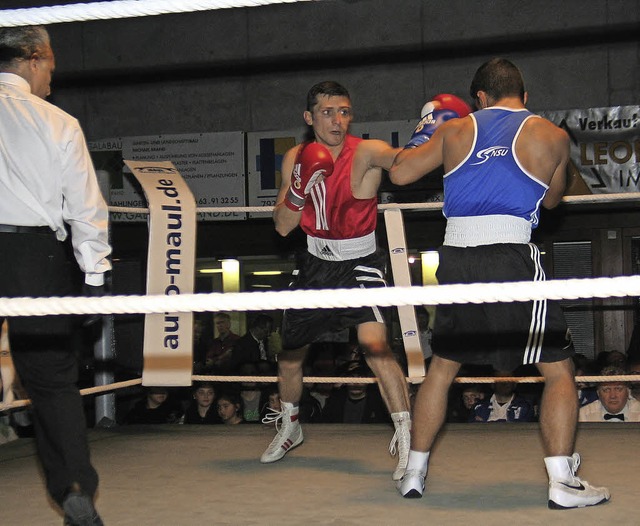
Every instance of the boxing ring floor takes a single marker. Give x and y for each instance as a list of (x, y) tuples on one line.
[(210, 475)]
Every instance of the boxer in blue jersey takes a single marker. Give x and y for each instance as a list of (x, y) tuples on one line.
[(501, 164)]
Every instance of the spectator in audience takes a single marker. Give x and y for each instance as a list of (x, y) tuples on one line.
[(323, 364), (252, 347), (222, 343), (272, 408), (230, 408), (203, 409), (614, 403), (157, 407), (504, 405), (356, 403), (462, 409), (251, 394)]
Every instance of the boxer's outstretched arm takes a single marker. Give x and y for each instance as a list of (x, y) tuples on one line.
[(372, 156), (413, 163)]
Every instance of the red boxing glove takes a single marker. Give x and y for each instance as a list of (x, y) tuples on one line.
[(449, 102), (313, 163)]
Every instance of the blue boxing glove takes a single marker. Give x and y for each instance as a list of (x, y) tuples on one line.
[(428, 125), (442, 108)]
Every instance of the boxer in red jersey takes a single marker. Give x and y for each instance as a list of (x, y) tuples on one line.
[(329, 189)]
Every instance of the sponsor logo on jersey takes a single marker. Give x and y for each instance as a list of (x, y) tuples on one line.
[(490, 153), (326, 251)]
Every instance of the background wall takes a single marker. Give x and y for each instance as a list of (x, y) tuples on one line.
[(248, 69)]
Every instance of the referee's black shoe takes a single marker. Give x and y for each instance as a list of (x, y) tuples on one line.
[(79, 510)]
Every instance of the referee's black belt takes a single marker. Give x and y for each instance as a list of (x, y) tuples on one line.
[(16, 229)]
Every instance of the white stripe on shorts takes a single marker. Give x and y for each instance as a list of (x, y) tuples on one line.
[(378, 276), (370, 270), (533, 350)]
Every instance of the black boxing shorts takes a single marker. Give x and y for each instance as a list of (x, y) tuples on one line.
[(505, 335), (301, 327)]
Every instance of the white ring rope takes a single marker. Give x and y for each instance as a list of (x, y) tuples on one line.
[(119, 9), (618, 287), (392, 296), (569, 200)]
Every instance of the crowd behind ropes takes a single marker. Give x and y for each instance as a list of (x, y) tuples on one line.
[(257, 402)]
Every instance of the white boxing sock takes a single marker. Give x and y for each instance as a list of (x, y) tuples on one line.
[(418, 460)]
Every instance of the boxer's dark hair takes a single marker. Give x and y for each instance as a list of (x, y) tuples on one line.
[(21, 43), (498, 78), (329, 88)]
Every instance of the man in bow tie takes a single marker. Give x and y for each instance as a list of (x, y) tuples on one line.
[(614, 403)]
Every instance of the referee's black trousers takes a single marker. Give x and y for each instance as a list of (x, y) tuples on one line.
[(37, 265)]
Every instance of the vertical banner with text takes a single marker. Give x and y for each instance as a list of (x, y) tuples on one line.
[(168, 337)]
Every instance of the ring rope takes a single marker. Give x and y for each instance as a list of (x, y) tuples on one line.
[(88, 391), (417, 379), (520, 291), (436, 205), (119, 9)]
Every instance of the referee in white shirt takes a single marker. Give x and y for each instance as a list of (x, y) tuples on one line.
[(48, 186)]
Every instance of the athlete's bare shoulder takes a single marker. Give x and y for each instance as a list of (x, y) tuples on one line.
[(542, 147)]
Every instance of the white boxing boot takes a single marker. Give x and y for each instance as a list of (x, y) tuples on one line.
[(568, 491), (401, 441), (411, 485), (288, 436)]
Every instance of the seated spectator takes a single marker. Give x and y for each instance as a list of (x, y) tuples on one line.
[(252, 347), (251, 394), (203, 409), (272, 408), (156, 407), (230, 409), (322, 364), (462, 409), (504, 405), (310, 408), (207, 363), (614, 403), (356, 403), (321, 392)]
